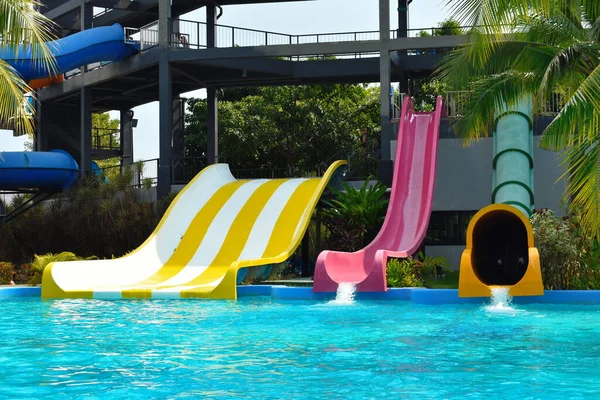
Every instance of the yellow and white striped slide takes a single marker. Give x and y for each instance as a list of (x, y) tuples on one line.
[(215, 226)]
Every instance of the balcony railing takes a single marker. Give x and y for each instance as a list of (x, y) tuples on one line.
[(142, 174), (105, 139), (192, 34), (456, 101)]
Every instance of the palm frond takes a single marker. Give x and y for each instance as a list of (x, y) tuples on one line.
[(574, 119), (582, 165), (24, 30), (15, 110), (463, 64), (489, 94)]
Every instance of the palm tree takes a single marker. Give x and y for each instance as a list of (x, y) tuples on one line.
[(22, 29), (536, 48)]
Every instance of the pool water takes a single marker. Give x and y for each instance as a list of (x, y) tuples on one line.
[(256, 348)]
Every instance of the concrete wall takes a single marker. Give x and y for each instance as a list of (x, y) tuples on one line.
[(464, 177), (464, 183)]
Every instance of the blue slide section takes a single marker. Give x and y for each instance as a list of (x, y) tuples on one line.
[(106, 43), (55, 170), (49, 170)]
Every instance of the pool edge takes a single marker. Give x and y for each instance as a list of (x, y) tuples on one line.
[(414, 295)]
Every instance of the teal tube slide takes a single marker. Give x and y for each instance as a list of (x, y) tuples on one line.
[(512, 178)]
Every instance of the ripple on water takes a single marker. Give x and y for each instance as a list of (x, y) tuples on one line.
[(257, 348)]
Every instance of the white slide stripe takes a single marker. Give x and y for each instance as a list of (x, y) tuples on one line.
[(149, 259), (260, 235), (215, 235)]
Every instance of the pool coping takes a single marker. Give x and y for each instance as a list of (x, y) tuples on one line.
[(414, 295)]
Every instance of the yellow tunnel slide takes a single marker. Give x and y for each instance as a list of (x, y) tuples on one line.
[(500, 253)]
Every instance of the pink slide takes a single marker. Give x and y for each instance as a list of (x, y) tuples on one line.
[(408, 212)]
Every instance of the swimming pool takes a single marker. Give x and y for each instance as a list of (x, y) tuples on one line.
[(258, 348)]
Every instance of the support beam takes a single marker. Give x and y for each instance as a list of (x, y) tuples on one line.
[(305, 255), (385, 77), (41, 137), (126, 139), (86, 17), (212, 125), (85, 163), (385, 167), (212, 119), (402, 18), (165, 125), (164, 20), (211, 29)]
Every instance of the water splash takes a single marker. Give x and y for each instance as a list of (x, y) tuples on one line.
[(345, 294), (501, 301)]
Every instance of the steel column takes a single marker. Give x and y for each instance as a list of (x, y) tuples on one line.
[(164, 23), (126, 132), (85, 162), (212, 118), (402, 18), (165, 125)]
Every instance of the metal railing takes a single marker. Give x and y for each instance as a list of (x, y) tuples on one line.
[(260, 173), (194, 33), (456, 101), (140, 174), (362, 165), (105, 139), (185, 169)]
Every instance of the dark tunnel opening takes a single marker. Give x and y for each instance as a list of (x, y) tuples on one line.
[(500, 253)]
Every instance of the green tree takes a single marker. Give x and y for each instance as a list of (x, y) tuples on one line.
[(293, 128), (448, 27), (105, 131), (21, 25), (534, 49), (425, 91)]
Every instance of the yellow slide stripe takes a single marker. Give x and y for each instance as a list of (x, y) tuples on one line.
[(190, 241), (281, 240), (285, 227), (238, 234)]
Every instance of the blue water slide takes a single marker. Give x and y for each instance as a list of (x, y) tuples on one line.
[(48, 170), (56, 169), (105, 43)]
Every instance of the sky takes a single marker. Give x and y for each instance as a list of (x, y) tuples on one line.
[(320, 16)]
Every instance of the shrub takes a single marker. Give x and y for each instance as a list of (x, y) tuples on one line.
[(557, 245), (354, 216), (23, 273), (403, 273), (41, 262), (413, 271), (93, 218), (282, 271), (7, 272)]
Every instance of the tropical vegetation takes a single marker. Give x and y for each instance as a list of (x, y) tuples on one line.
[(569, 258), (536, 49), (353, 216), (97, 218), (416, 271), (290, 128), (21, 25)]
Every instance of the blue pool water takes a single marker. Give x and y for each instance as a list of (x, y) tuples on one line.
[(259, 349)]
